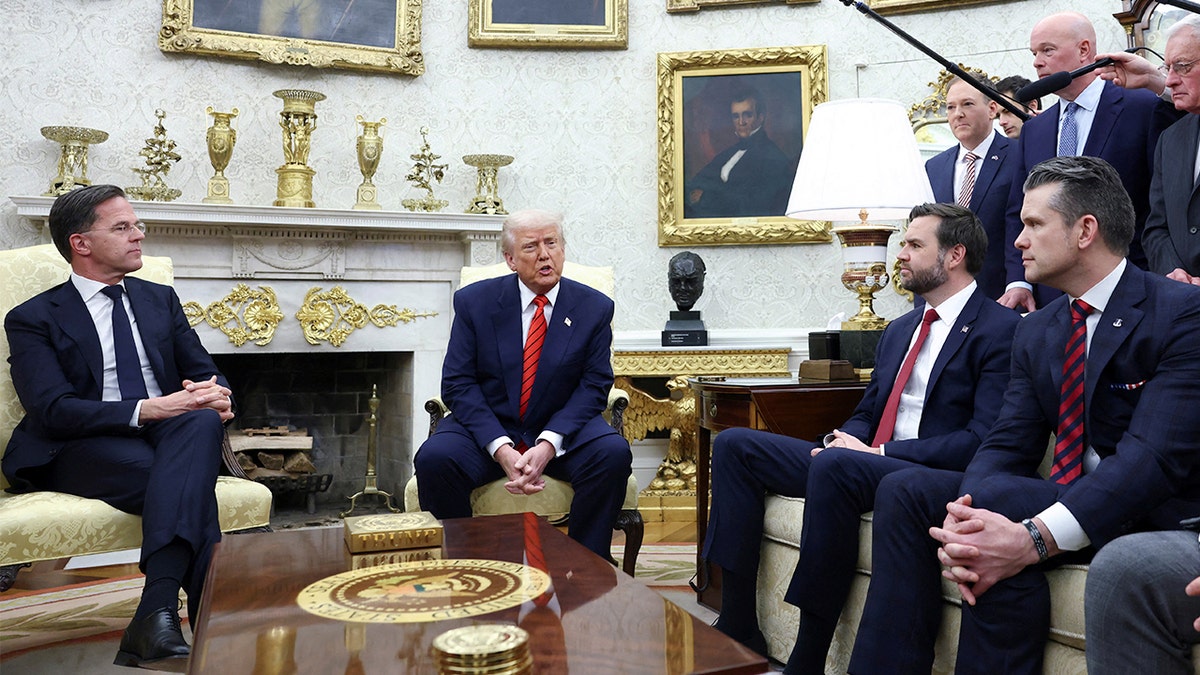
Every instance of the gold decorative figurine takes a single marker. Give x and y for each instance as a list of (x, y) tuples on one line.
[(160, 155), (423, 174), (370, 147), (74, 157), (298, 120), (487, 199), (221, 138)]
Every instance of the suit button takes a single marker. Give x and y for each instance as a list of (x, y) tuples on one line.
[(1192, 230)]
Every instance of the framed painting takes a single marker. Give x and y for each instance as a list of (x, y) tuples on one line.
[(695, 5), (587, 24), (909, 6), (731, 127), (375, 35)]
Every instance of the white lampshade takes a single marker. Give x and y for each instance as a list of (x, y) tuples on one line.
[(859, 154)]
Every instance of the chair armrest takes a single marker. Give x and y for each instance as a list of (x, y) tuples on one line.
[(232, 467), (618, 401), (437, 411)]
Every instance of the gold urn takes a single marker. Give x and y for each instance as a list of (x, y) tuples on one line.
[(221, 138), (298, 120), (370, 148)]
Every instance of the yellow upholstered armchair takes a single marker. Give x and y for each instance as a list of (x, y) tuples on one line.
[(554, 501), (37, 526)]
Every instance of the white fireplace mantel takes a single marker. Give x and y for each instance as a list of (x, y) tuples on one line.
[(399, 260)]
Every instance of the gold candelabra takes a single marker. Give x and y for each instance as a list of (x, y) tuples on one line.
[(423, 174)]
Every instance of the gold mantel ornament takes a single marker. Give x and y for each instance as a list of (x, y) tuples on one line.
[(244, 315), (221, 138), (159, 153), (73, 162), (423, 174), (487, 199), (331, 316), (298, 120), (370, 147)]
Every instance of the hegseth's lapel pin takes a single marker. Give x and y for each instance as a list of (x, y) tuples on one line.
[(567, 321)]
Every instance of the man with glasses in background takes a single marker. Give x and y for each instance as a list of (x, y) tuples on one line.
[(122, 404), (1172, 235)]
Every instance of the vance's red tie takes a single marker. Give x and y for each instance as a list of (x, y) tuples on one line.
[(1068, 443), (887, 422), (533, 352)]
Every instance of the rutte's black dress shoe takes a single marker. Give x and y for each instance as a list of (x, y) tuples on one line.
[(155, 637)]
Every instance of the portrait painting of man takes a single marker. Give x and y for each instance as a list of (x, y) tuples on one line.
[(742, 137), (368, 23)]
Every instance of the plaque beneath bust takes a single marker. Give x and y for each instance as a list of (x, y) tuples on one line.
[(685, 279)]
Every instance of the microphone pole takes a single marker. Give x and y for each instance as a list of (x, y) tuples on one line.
[(953, 68)]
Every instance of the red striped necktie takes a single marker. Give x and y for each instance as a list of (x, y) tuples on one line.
[(533, 352), (1068, 444)]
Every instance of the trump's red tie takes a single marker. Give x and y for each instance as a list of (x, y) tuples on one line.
[(533, 350), (887, 421), (1068, 444)]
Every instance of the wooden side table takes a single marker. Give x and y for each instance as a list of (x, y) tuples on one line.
[(802, 409)]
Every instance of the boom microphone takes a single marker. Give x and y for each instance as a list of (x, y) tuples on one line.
[(1052, 83)]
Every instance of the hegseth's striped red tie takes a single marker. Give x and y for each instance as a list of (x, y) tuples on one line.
[(533, 350), (1068, 444)]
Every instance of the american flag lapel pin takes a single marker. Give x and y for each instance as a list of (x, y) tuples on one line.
[(567, 321), (995, 158)]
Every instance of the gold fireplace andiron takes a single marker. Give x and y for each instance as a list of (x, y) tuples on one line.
[(371, 487)]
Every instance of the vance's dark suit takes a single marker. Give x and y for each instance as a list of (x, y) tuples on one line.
[(968, 377), (1172, 235), (57, 367), (1123, 133), (1140, 401), (758, 185), (481, 384), (989, 201)]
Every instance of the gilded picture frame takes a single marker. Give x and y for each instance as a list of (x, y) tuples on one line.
[(695, 5), (372, 35), (909, 6), (698, 135), (554, 24)]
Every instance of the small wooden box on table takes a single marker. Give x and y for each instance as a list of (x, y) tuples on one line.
[(805, 409)]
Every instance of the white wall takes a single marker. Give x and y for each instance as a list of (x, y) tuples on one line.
[(580, 123)]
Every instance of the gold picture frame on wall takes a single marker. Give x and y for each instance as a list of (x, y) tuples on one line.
[(695, 5), (373, 35), (711, 106), (910, 6), (585, 24)]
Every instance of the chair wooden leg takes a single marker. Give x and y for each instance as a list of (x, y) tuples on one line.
[(8, 575), (630, 522)]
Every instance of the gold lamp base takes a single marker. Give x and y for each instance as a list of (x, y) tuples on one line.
[(865, 270)]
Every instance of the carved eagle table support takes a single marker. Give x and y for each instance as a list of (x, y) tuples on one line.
[(676, 474)]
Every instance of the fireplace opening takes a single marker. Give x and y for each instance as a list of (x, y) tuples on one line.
[(325, 396)]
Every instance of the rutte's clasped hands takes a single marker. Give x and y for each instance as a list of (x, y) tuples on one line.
[(194, 396)]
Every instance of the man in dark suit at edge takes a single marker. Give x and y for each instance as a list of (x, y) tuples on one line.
[(1091, 118), (518, 411), (1111, 371), (949, 360), (123, 404)]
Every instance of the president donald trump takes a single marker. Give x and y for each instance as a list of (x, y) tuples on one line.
[(526, 377)]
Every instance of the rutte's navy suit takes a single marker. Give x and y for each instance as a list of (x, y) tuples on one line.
[(968, 377), (481, 384), (989, 201), (166, 470), (1172, 235), (1124, 133), (1140, 402)]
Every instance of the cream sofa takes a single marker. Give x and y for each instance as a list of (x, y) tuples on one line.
[(779, 620), (39, 526)]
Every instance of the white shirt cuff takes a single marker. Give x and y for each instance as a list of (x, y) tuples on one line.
[(555, 439), (137, 414), (1061, 524), (1019, 284), (495, 445)]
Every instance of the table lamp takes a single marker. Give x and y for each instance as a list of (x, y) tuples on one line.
[(860, 160)]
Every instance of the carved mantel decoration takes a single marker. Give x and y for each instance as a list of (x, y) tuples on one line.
[(244, 315), (331, 316)]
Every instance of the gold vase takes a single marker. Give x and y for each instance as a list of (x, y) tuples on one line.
[(221, 138), (487, 199), (370, 147), (73, 161), (298, 120), (865, 269)]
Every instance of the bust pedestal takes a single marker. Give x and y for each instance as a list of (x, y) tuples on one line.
[(685, 329)]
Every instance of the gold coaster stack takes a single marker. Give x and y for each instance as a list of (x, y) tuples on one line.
[(484, 649)]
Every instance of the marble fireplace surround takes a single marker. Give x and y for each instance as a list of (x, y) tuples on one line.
[(393, 265)]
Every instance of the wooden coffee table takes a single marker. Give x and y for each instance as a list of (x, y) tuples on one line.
[(599, 621)]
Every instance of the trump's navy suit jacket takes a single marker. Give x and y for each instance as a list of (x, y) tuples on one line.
[(965, 386), (1124, 133), (1172, 235), (989, 201), (481, 376), (1140, 399), (57, 369)]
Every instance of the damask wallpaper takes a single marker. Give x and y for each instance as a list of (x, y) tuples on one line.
[(581, 124)]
